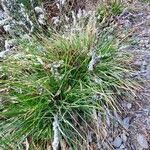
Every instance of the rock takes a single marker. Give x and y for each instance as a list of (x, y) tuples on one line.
[(117, 117), (122, 146), (124, 137), (2, 54), (9, 44), (124, 47), (148, 17), (108, 120), (2, 15), (38, 10), (142, 141), (104, 145), (126, 122), (129, 105), (117, 142), (7, 28), (110, 139), (116, 125)]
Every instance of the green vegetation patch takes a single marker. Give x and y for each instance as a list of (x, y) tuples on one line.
[(59, 81)]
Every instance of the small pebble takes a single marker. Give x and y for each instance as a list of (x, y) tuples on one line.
[(124, 137), (116, 125), (129, 105), (122, 146), (110, 139), (117, 142), (126, 122), (148, 17), (104, 145)]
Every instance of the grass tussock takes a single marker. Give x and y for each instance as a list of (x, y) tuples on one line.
[(109, 9), (51, 86)]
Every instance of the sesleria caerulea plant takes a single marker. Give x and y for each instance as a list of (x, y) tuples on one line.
[(50, 87)]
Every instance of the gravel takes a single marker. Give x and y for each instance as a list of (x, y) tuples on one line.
[(137, 121), (133, 129)]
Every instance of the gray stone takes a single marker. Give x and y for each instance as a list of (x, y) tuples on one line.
[(142, 141), (117, 117), (110, 139), (129, 105), (117, 142), (1, 15), (104, 145), (116, 125), (2, 54), (148, 17), (122, 146), (124, 137), (107, 120), (126, 122)]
